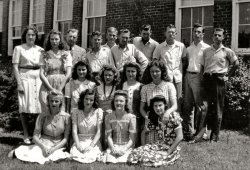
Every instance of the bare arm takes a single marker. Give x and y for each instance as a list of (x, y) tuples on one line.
[(66, 79), (178, 139), (233, 69), (44, 79), (17, 76), (142, 110)]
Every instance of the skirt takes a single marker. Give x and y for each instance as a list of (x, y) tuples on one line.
[(153, 155), (29, 100)]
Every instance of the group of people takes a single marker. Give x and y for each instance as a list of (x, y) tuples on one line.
[(119, 102)]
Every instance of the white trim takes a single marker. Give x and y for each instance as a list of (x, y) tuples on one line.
[(84, 25), (95, 16), (10, 42), (1, 20), (194, 6), (178, 19), (31, 12), (55, 25)]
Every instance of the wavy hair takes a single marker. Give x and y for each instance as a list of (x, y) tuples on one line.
[(82, 96), (81, 63), (146, 78), (134, 65), (123, 93), (114, 70), (29, 27), (47, 43), (153, 117)]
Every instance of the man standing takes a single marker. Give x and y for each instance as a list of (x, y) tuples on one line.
[(77, 53), (145, 43), (216, 60), (192, 82), (111, 36), (125, 52), (98, 56), (173, 54)]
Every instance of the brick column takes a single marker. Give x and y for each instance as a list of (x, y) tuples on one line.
[(25, 13), (5, 29), (49, 14), (77, 18)]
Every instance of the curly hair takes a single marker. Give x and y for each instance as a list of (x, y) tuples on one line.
[(114, 70), (134, 65), (29, 27), (82, 96), (81, 63), (47, 43), (51, 96), (153, 117), (146, 79), (123, 93)]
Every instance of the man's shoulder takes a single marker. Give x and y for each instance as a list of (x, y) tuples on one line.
[(78, 48), (178, 43), (152, 41)]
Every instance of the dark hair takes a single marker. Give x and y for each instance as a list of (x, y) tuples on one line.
[(114, 70), (134, 65), (47, 44), (124, 31), (29, 27), (82, 96), (123, 93), (96, 33), (146, 79), (146, 27), (220, 29), (73, 30), (81, 63), (197, 25), (171, 26), (153, 117)]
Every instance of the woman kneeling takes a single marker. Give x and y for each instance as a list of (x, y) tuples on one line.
[(164, 150), (50, 135)]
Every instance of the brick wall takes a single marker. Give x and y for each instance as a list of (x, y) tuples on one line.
[(49, 9), (223, 18), (4, 39), (25, 13), (132, 14), (77, 18)]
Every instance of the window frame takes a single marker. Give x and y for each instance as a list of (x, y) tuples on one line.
[(31, 16), (235, 27), (85, 21), (1, 16), (178, 12)]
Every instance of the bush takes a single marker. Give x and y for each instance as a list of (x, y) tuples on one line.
[(236, 110)]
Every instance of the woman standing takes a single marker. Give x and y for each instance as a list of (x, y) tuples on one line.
[(55, 68), (157, 84), (25, 61)]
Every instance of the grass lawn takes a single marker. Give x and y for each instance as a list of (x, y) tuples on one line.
[(231, 152)]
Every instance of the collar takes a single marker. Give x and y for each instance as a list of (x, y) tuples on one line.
[(199, 44), (85, 82), (92, 52), (124, 49), (176, 44), (221, 47), (161, 85), (149, 41)]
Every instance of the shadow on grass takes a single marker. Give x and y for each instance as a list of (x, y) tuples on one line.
[(12, 141)]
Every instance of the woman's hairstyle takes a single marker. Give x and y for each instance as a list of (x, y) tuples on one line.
[(30, 27), (146, 78), (81, 63), (134, 65), (58, 96), (47, 44), (123, 93), (114, 70), (153, 117), (82, 96)]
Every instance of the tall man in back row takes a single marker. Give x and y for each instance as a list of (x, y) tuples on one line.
[(216, 60), (174, 55)]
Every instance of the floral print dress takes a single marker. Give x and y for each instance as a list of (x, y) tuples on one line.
[(155, 154)]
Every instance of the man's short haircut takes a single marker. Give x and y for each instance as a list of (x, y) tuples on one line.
[(219, 29), (146, 27), (96, 33), (197, 25), (112, 29), (124, 31), (171, 26), (73, 30)]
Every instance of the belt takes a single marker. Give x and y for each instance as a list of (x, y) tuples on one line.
[(214, 74), (192, 72), (30, 67)]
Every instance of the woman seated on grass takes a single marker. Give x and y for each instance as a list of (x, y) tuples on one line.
[(50, 135), (120, 127), (86, 121), (164, 150)]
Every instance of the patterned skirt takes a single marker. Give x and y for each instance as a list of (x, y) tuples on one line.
[(153, 155)]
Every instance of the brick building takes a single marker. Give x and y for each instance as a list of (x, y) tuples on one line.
[(90, 15)]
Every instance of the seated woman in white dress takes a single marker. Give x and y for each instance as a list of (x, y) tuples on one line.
[(86, 131), (50, 135)]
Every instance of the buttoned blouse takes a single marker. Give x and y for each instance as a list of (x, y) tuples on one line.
[(99, 59), (148, 48), (217, 61), (166, 89), (195, 53), (171, 56)]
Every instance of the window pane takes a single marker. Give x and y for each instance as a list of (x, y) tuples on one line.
[(185, 36), (197, 15), (91, 25), (186, 18), (1, 15), (208, 35), (65, 8), (244, 14), (90, 11), (244, 36), (208, 18), (103, 7), (103, 24), (97, 7), (98, 24)]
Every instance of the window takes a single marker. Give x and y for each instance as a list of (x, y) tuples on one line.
[(94, 19), (1, 16), (63, 12), (190, 12), (241, 26), (37, 14)]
